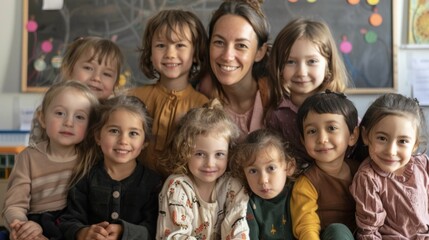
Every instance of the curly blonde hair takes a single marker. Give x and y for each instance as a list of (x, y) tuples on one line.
[(210, 119)]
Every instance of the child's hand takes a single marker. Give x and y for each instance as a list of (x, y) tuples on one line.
[(115, 231), (94, 232), (21, 230)]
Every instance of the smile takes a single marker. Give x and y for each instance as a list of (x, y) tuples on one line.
[(228, 68), (171, 64)]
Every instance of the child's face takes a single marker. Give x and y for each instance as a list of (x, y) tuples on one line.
[(66, 119), (304, 70), (391, 142), (100, 78), (209, 159), (173, 59), (234, 50), (121, 138), (268, 174), (327, 137)]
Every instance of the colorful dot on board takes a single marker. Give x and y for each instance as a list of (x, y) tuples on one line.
[(46, 46), (40, 64), (311, 1), (346, 46), (293, 1), (353, 2), (122, 80), (371, 36), (32, 26), (375, 19), (373, 2), (56, 61)]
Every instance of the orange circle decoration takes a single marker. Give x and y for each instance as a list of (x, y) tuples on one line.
[(353, 2), (375, 19), (293, 1)]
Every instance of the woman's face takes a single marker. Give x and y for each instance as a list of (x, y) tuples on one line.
[(233, 49)]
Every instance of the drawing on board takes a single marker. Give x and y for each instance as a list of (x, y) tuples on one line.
[(418, 22), (363, 30)]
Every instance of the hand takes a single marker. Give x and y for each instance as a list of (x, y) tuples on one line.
[(115, 231), (25, 230), (94, 232)]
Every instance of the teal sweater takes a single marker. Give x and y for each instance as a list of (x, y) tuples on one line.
[(270, 219)]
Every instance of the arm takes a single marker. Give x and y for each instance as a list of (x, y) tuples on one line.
[(234, 225), (305, 221), (370, 214), (177, 202), (145, 228), (75, 216), (251, 221), (18, 194)]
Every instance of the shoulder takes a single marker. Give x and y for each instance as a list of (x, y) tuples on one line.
[(227, 181), (141, 91), (178, 188)]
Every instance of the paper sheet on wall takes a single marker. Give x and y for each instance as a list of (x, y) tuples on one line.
[(419, 69), (52, 4)]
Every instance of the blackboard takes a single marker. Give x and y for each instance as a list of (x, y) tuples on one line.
[(370, 62)]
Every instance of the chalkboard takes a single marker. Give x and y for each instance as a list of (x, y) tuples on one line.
[(368, 50)]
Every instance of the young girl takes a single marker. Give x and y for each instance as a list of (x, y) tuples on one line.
[(94, 61), (238, 36), (262, 161), (391, 186), (199, 200), (173, 52), (37, 186), (322, 206), (113, 196), (304, 60)]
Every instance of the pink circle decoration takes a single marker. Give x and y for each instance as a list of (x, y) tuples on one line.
[(46, 46), (346, 46), (32, 26)]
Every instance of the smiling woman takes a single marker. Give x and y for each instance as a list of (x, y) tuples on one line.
[(238, 35)]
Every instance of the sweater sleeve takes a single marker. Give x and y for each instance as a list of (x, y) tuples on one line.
[(76, 215), (234, 225), (305, 221), (18, 195), (175, 211), (370, 214)]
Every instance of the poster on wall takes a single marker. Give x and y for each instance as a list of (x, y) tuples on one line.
[(418, 22), (363, 31)]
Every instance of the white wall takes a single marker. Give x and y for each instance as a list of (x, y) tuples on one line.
[(10, 56)]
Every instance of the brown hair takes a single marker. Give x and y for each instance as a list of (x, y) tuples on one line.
[(92, 153), (244, 154), (102, 49), (318, 32), (207, 120), (171, 22), (391, 104), (252, 12)]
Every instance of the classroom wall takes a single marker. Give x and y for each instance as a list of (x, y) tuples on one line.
[(11, 99)]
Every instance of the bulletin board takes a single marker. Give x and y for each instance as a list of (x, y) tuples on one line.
[(367, 46)]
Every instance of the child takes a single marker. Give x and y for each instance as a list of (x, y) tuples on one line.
[(238, 41), (303, 60), (391, 186), (199, 200), (173, 52), (114, 196), (263, 163), (37, 187), (321, 202), (94, 61)]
